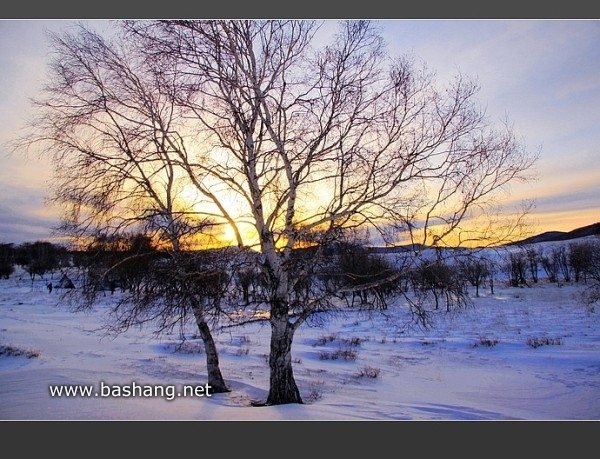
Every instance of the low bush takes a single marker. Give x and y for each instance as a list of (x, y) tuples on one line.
[(536, 342), (13, 351), (487, 342), (345, 354), (369, 372)]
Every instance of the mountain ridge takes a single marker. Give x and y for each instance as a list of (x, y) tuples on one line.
[(558, 236), (547, 236)]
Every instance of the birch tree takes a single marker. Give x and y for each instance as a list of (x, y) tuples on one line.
[(312, 138), (112, 136)]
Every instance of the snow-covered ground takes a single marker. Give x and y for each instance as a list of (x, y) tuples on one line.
[(476, 364)]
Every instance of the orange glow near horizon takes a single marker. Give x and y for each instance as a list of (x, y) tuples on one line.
[(536, 223)]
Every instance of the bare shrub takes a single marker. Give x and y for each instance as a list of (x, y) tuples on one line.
[(323, 340), (369, 372), (345, 354), (7, 350), (242, 351), (354, 341), (486, 342), (316, 391), (536, 342)]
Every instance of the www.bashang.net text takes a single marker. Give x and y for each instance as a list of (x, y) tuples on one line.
[(168, 392)]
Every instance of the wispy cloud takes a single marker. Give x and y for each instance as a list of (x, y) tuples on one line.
[(25, 215)]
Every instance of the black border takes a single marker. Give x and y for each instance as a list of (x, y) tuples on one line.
[(239, 9), (291, 439)]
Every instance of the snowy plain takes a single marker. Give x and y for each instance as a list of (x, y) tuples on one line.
[(517, 354)]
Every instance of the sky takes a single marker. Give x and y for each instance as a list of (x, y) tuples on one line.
[(517, 354), (543, 75)]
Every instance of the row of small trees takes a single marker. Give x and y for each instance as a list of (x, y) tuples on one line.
[(36, 258), (364, 273), (578, 261)]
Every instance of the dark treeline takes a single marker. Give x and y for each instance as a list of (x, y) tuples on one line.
[(124, 262), (37, 258)]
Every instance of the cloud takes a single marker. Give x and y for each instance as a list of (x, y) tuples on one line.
[(585, 201), (25, 216)]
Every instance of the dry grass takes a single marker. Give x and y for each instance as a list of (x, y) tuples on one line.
[(13, 351)]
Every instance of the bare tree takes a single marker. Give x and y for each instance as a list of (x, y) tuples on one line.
[(111, 132), (555, 263), (291, 141), (7, 260), (475, 270), (442, 280), (324, 139), (533, 258), (363, 275), (581, 256), (550, 264), (592, 293)]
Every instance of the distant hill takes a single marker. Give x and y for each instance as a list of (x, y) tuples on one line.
[(548, 236), (557, 236)]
